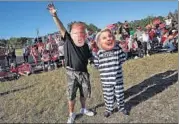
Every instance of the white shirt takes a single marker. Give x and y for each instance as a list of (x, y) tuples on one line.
[(168, 21), (130, 42), (48, 46), (145, 37)]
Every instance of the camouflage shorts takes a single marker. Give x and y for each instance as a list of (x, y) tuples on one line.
[(75, 80)]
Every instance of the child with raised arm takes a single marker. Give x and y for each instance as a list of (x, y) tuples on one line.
[(109, 61), (77, 53)]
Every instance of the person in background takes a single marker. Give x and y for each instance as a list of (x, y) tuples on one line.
[(145, 42), (60, 43), (12, 55), (26, 53), (7, 57)]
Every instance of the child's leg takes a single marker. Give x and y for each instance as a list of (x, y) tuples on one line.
[(145, 48), (35, 59), (49, 65), (24, 57), (119, 93), (108, 94), (55, 64), (43, 65)]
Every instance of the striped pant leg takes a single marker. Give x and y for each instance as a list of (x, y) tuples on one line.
[(108, 94), (119, 93)]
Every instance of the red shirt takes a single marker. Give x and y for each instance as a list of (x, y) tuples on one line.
[(54, 55), (24, 67), (163, 38), (34, 51), (151, 34)]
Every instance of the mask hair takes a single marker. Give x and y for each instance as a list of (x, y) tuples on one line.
[(99, 34)]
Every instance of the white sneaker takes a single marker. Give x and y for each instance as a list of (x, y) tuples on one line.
[(136, 57), (148, 55), (71, 118), (86, 112), (49, 68)]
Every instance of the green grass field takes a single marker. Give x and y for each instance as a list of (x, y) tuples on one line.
[(151, 91)]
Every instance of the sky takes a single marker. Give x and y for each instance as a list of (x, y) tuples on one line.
[(22, 19)]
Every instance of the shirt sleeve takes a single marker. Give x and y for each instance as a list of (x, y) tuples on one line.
[(122, 56), (96, 61), (89, 52), (66, 36)]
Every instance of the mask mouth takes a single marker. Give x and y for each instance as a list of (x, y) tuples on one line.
[(109, 43), (80, 41)]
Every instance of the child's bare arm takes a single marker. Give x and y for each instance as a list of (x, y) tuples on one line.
[(57, 21)]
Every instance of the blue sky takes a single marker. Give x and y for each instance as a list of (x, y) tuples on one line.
[(19, 19)]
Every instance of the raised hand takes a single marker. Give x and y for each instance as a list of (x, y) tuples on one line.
[(57, 21), (52, 9)]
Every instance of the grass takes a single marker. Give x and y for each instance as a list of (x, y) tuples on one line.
[(151, 94)]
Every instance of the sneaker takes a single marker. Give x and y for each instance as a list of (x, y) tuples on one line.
[(107, 114), (28, 73), (49, 68), (136, 57), (71, 118), (148, 55), (86, 112), (55, 65)]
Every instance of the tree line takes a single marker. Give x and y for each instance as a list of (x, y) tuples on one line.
[(16, 42)]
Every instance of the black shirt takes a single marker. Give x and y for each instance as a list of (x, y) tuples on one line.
[(76, 57), (12, 52)]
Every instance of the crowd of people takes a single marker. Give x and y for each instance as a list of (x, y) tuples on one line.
[(142, 42), (136, 43), (47, 54)]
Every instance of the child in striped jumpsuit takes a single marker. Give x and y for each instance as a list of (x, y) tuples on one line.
[(109, 61)]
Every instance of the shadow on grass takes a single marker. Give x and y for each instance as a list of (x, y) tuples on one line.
[(78, 116), (150, 87), (15, 90), (147, 89)]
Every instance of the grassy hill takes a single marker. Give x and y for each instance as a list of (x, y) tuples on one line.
[(151, 94)]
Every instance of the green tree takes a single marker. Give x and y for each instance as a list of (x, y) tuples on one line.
[(3, 42), (18, 42), (12, 41), (175, 15), (92, 27)]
